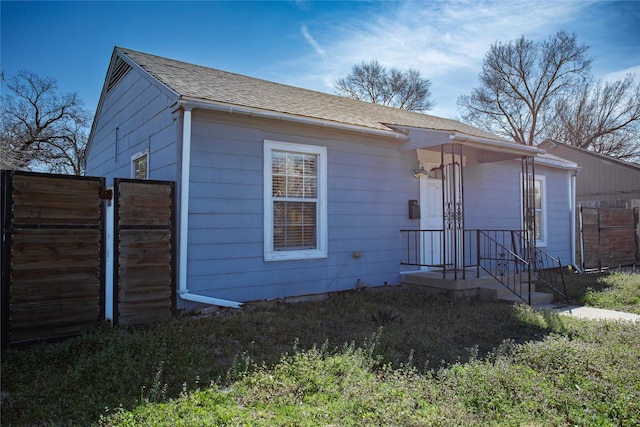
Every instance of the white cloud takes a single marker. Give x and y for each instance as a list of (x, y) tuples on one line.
[(621, 74), (309, 38), (446, 41), (438, 37)]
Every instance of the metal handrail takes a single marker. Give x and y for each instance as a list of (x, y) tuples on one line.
[(427, 248), (547, 268), (503, 264)]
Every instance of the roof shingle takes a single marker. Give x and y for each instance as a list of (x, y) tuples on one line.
[(217, 86)]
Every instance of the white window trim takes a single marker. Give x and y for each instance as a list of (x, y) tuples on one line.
[(542, 241), (321, 236), (135, 157)]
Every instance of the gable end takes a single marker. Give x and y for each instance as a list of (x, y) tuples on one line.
[(120, 69)]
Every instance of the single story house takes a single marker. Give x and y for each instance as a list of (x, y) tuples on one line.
[(284, 191), (603, 181)]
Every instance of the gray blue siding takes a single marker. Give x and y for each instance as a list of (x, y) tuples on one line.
[(369, 183), (141, 112), (493, 201)]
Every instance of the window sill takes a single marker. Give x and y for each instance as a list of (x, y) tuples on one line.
[(294, 255)]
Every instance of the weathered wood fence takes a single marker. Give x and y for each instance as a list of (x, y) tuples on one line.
[(52, 255), (59, 264), (144, 252), (608, 237)]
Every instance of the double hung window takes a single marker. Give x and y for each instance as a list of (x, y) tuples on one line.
[(294, 201), (140, 165)]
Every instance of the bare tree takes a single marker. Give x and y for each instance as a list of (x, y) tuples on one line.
[(602, 117), (40, 129), (519, 82), (372, 82)]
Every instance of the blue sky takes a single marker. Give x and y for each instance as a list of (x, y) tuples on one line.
[(308, 44)]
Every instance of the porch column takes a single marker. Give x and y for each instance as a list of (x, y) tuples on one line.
[(453, 209), (529, 204)]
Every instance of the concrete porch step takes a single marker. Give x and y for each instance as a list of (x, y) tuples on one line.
[(503, 293), (537, 298), (485, 286), (501, 290), (451, 281)]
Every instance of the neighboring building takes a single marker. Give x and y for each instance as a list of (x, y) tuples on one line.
[(608, 197), (285, 191), (603, 181)]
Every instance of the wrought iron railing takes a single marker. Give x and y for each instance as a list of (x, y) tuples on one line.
[(504, 254), (446, 251), (546, 268), (433, 248), (424, 248), (504, 265)]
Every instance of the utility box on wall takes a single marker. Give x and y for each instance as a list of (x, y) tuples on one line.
[(414, 209)]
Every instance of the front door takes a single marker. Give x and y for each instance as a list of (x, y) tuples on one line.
[(431, 218)]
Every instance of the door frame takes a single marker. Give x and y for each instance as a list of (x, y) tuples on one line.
[(432, 217)]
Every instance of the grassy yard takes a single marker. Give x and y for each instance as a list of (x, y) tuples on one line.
[(384, 356), (615, 291)]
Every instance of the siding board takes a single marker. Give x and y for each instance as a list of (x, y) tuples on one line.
[(144, 116), (369, 183)]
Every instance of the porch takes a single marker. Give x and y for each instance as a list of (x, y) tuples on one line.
[(487, 264), (483, 287)]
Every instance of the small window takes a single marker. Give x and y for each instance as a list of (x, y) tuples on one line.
[(539, 198), (140, 165), (538, 206), (295, 201), (436, 173)]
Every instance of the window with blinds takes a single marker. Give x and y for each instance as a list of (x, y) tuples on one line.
[(294, 183), (295, 210)]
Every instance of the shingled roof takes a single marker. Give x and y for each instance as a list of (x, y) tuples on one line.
[(195, 82)]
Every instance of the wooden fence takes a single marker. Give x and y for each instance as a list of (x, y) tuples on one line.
[(608, 237), (144, 252), (52, 256), (54, 250)]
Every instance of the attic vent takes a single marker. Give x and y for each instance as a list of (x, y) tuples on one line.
[(120, 69)]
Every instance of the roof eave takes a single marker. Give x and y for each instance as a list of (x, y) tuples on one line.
[(191, 103), (428, 138), (564, 164), (583, 151), (495, 144)]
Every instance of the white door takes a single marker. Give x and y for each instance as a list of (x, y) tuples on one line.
[(431, 219)]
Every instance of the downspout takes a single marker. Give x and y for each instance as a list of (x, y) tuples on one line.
[(184, 221)]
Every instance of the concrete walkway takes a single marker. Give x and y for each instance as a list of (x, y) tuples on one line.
[(590, 312)]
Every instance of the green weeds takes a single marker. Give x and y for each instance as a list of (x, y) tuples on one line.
[(555, 382), (614, 290), (410, 359), (617, 291)]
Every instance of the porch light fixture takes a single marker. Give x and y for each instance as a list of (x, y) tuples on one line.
[(420, 171)]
